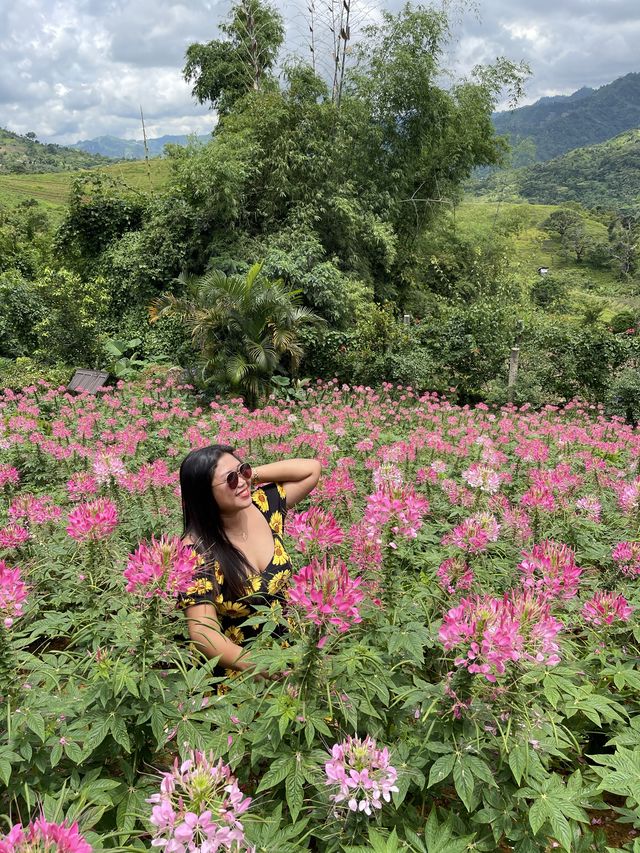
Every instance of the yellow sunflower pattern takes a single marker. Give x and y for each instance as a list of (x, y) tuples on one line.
[(280, 556), (276, 523), (279, 582), (253, 584), (235, 634), (260, 500)]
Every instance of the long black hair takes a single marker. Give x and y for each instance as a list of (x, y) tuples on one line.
[(202, 521)]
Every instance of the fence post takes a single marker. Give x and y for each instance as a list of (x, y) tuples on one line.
[(514, 359)]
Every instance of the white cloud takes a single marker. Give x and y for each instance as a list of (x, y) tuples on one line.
[(76, 69)]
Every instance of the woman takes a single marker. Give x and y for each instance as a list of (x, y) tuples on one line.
[(238, 534)]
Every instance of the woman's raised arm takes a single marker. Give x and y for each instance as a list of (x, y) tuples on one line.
[(298, 476)]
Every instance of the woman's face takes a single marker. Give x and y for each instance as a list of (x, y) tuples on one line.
[(229, 500)]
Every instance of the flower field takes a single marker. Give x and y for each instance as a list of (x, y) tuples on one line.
[(455, 666)]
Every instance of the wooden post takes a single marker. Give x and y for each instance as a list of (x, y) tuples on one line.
[(514, 358), (513, 372)]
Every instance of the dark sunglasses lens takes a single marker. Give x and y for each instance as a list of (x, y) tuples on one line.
[(232, 479), (245, 471)]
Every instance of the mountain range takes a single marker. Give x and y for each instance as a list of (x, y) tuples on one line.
[(605, 176), (132, 149), (555, 125)]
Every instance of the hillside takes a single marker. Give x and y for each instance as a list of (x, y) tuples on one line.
[(605, 176), (132, 149), (52, 189), (553, 126), (24, 155)]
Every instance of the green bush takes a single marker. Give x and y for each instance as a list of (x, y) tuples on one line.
[(20, 372), (21, 309)]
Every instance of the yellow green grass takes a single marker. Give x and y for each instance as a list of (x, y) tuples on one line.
[(52, 189)]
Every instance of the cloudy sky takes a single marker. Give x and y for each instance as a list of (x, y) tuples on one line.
[(76, 69)]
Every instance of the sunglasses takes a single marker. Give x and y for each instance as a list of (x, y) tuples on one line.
[(243, 470)]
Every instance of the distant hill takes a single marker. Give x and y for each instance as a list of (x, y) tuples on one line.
[(553, 126), (25, 155), (605, 175), (132, 149)]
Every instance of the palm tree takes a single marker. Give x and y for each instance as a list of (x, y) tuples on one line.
[(242, 326)]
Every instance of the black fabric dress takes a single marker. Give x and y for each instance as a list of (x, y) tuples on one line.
[(263, 588)]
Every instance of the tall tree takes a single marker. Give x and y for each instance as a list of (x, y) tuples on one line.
[(224, 70)]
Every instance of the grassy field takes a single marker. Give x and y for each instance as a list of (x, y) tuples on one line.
[(52, 189), (533, 248)]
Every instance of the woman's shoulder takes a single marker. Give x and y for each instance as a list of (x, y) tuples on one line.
[(270, 498)]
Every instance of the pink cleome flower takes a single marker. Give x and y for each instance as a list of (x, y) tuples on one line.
[(550, 568), (605, 608), (474, 534), (491, 633), (402, 509), (314, 527), (326, 594), (591, 507), (9, 476), (35, 510), (13, 593), (92, 521), (454, 575), (361, 773), (41, 835), (13, 536), (482, 477), (163, 568), (627, 557), (198, 808)]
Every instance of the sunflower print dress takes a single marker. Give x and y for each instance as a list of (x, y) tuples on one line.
[(263, 588)]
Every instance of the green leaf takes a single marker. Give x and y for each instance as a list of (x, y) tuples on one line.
[(441, 768), (518, 761), (278, 771), (55, 755), (294, 790), (464, 783), (35, 722), (119, 732), (73, 751)]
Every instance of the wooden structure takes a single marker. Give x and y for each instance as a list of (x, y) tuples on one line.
[(87, 380)]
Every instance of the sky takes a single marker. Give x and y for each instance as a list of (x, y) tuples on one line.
[(77, 69)]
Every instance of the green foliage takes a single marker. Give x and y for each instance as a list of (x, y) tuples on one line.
[(223, 71), (24, 238), (623, 397), (99, 212), (24, 154), (74, 315), (550, 292), (21, 308), (244, 328), (23, 371)]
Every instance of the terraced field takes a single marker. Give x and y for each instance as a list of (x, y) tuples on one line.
[(52, 189)]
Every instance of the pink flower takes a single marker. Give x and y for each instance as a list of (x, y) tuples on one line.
[(361, 774), (629, 496), (93, 521), (46, 836), (474, 534), (34, 510), (491, 633), (9, 476), (482, 477), (163, 568), (326, 594), (13, 593), (401, 509), (605, 608), (454, 575), (13, 536), (314, 526), (80, 485), (107, 468), (627, 556), (591, 507), (198, 808), (550, 567)]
